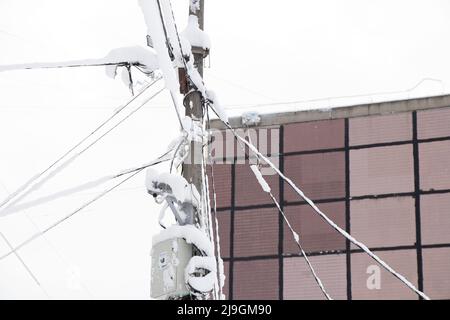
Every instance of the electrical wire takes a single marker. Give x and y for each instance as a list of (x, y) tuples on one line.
[(87, 185), (234, 107), (32, 275), (216, 220), (51, 246), (36, 177), (130, 172), (294, 234), (323, 215), (65, 218), (296, 237), (67, 162)]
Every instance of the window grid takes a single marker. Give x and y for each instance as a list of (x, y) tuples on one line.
[(415, 142)]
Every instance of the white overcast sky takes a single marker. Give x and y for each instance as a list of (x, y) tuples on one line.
[(262, 52)]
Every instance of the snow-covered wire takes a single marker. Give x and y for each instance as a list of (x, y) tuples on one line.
[(264, 185), (297, 241), (67, 217), (70, 160), (323, 215), (216, 220), (85, 186), (39, 175)]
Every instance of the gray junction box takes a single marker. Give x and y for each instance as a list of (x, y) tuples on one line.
[(169, 261)]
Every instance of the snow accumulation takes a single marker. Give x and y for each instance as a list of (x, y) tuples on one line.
[(196, 36), (194, 5), (250, 118), (177, 186), (194, 130), (188, 232), (204, 283), (260, 178)]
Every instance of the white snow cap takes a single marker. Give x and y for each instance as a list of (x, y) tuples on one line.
[(194, 5), (135, 54), (182, 190), (196, 36), (204, 283), (188, 232)]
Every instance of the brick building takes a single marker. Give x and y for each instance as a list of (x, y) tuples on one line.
[(381, 171)]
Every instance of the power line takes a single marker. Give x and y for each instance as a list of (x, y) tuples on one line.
[(294, 234), (233, 107), (65, 218), (67, 162), (323, 215), (297, 241), (241, 86), (87, 185), (51, 246), (133, 173)]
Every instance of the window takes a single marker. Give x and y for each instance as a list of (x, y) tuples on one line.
[(380, 129), (299, 283), (256, 232), (384, 170), (315, 234), (434, 165), (314, 135), (386, 222), (319, 176), (256, 280), (367, 285)]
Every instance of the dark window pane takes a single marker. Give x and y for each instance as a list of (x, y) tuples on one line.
[(299, 283), (435, 213), (248, 189), (376, 171), (319, 176), (379, 129), (224, 219), (434, 123), (256, 280), (315, 234), (365, 270), (256, 232), (434, 165), (315, 135), (436, 266), (222, 184), (386, 222)]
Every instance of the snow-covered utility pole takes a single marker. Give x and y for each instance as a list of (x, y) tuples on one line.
[(184, 263)]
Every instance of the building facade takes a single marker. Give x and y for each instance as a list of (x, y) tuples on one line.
[(380, 171)]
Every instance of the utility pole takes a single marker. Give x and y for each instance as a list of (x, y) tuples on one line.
[(178, 261), (192, 169)]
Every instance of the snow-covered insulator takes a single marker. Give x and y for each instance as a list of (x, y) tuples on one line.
[(181, 196)]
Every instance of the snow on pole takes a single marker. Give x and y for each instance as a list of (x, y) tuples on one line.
[(196, 36)]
